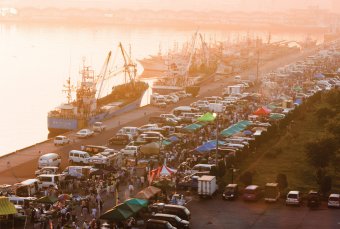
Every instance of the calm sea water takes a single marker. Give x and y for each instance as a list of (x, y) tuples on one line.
[(35, 61)]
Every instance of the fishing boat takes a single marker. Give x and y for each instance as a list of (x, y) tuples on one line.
[(90, 105)]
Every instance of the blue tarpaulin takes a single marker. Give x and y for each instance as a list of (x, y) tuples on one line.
[(208, 146), (298, 101)]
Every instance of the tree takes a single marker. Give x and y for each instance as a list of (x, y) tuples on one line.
[(324, 113), (334, 127), (247, 178), (281, 179), (326, 185), (320, 152)]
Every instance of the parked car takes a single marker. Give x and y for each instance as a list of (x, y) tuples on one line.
[(130, 150), (61, 140), (99, 127), (49, 159), (158, 224), (313, 199), (174, 220), (147, 127), (294, 198), (252, 193), (50, 180), (230, 192), (120, 139), (47, 170), (78, 156), (172, 116), (84, 133), (334, 200), (178, 210)]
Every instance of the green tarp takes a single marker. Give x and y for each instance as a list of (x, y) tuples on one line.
[(236, 128), (192, 127), (118, 213), (207, 117), (136, 201)]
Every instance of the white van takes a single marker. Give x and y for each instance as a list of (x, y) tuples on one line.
[(133, 131), (49, 159), (78, 171), (50, 180), (78, 156)]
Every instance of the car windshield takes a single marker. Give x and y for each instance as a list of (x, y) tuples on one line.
[(58, 138), (333, 199), (293, 196), (229, 189)]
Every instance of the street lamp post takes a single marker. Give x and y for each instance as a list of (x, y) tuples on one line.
[(233, 170), (217, 129)]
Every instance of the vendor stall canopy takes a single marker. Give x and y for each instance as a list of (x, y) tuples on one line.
[(6, 207), (236, 128)]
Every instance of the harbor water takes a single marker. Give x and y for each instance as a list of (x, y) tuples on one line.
[(37, 59)]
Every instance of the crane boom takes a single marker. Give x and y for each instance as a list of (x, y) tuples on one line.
[(102, 76)]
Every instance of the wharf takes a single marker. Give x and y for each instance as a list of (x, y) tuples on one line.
[(21, 164)]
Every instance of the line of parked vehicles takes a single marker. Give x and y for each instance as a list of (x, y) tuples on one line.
[(271, 193)]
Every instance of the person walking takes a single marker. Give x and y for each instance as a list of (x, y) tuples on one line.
[(131, 189)]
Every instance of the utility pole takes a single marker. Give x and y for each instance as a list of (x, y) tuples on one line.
[(217, 129)]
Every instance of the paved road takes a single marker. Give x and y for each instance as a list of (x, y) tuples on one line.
[(219, 214)]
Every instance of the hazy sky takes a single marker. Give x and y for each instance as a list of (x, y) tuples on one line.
[(174, 4)]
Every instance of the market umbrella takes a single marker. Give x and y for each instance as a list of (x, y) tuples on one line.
[(276, 116), (207, 117), (117, 214), (47, 200), (136, 201), (262, 111)]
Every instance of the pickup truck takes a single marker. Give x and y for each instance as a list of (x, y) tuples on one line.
[(99, 127)]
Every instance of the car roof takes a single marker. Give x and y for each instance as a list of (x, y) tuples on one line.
[(252, 187), (49, 155), (293, 192), (232, 185), (334, 195), (165, 215)]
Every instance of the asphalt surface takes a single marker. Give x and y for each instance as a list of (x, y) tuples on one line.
[(217, 213)]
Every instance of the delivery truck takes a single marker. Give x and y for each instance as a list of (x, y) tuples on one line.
[(206, 186), (271, 192)]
